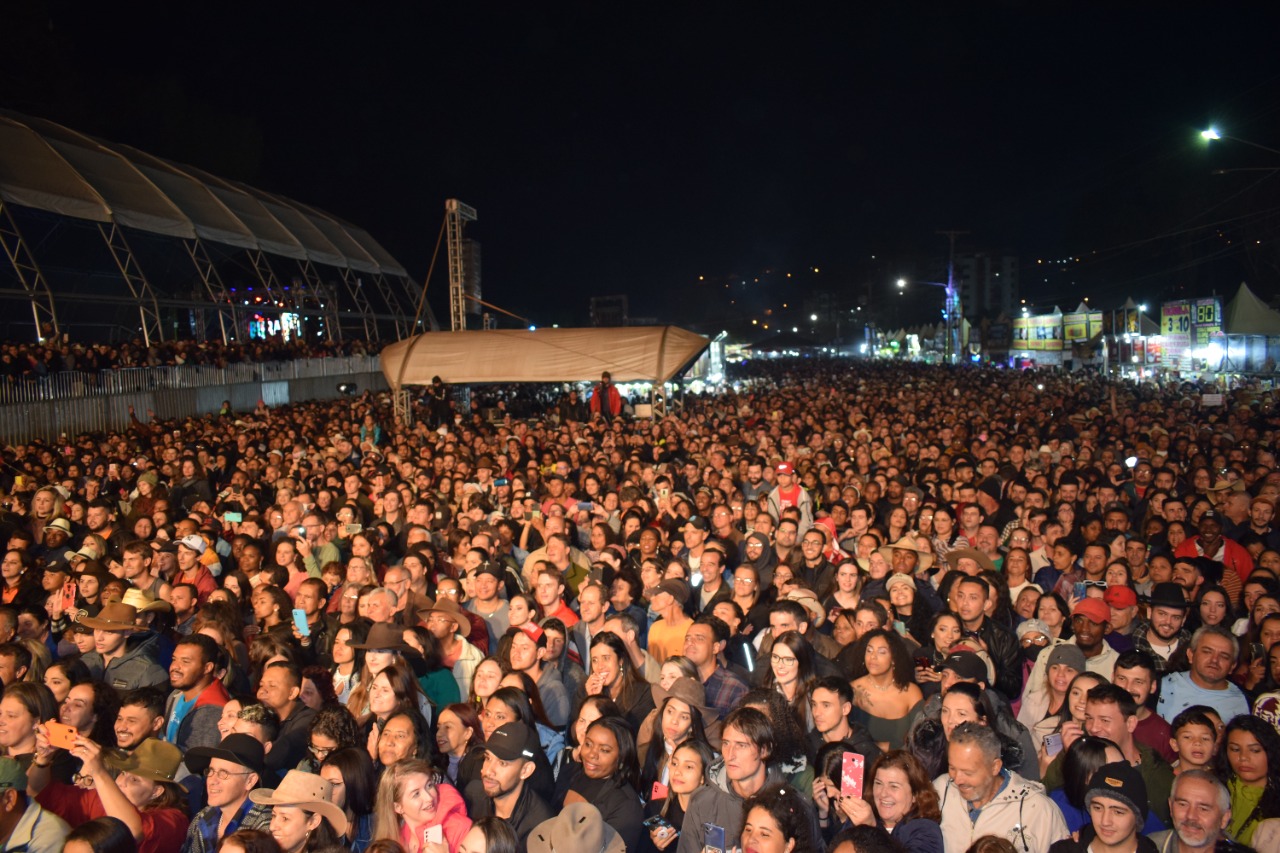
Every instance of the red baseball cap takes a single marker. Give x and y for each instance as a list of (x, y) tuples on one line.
[(1120, 597), (1093, 609), (785, 468)]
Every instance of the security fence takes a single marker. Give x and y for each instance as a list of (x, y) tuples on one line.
[(72, 402)]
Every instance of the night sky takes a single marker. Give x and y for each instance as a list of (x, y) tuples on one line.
[(612, 151)]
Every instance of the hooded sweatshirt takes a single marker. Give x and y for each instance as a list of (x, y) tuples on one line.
[(451, 816)]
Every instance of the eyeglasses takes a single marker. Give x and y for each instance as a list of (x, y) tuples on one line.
[(320, 752), (222, 775), (779, 660)]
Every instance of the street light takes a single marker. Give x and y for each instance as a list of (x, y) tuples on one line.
[(1212, 133), (949, 311)]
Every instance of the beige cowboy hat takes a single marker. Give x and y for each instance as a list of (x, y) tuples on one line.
[(306, 791), (984, 562), (907, 543)]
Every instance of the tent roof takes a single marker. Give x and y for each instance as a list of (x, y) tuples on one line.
[(1249, 315), (50, 167), (629, 353)]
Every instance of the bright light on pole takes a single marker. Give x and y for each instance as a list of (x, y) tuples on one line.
[(1210, 134)]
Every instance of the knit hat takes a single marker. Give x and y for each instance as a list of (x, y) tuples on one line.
[(1031, 626), (1068, 654), (1122, 782)]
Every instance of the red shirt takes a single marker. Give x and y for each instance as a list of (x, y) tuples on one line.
[(163, 830)]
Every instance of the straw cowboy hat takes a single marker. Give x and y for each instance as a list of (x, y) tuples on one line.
[(306, 791), (908, 543)]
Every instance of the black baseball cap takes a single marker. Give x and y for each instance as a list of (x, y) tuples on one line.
[(511, 741)]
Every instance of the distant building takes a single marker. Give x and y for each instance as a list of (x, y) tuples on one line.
[(609, 311), (988, 284)]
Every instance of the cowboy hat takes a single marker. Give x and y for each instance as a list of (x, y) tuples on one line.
[(689, 691), (307, 791), (908, 543), (983, 561), (145, 601), (578, 829), (385, 636), (115, 616), (152, 759), (807, 599)]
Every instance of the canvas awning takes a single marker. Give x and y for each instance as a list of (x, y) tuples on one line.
[(50, 167), (629, 354)]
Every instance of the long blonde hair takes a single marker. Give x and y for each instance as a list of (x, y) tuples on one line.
[(386, 822)]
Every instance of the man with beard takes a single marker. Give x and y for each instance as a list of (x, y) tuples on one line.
[(194, 707), (1162, 636), (502, 791), (1200, 810)]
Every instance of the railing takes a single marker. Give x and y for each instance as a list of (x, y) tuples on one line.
[(74, 385)]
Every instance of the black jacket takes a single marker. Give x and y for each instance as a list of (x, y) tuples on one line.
[(1006, 654), (530, 810)]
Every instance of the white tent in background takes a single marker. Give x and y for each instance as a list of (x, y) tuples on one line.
[(1246, 314), (630, 353)]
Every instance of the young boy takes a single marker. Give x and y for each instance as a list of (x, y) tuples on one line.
[(1195, 738)]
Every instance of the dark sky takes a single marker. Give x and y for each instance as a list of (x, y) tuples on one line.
[(613, 151)]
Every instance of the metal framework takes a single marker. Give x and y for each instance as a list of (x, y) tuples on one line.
[(266, 275), (228, 316), (136, 279), (355, 288), (29, 274), (392, 301), (457, 215), (326, 301)]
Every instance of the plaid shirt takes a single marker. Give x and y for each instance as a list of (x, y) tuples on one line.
[(724, 690), (202, 834), (1177, 661)]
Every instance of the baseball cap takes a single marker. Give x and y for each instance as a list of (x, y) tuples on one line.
[(785, 468), (1120, 597), (510, 741), (678, 589), (1093, 609), (11, 775), (194, 542), (967, 665)]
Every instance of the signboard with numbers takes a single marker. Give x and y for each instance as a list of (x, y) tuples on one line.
[(1206, 317), (1175, 332)]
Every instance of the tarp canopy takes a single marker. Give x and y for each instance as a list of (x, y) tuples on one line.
[(629, 354), (50, 167), (1249, 315)]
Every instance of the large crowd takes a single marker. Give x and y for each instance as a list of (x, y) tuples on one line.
[(838, 607), (34, 361)]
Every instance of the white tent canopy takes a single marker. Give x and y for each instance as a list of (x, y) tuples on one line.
[(629, 354), (50, 167), (1249, 315)]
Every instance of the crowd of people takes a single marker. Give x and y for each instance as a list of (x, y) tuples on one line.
[(34, 361), (837, 607)]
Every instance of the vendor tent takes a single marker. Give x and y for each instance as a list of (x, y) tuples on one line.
[(1246, 314), (629, 354)]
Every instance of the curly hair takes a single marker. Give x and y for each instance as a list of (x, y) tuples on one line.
[(788, 810), (903, 669)]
